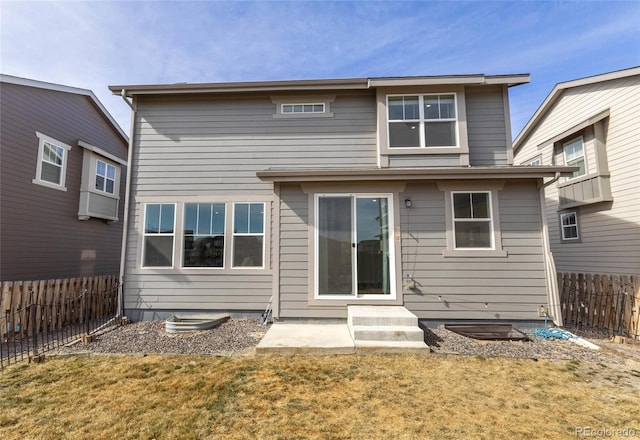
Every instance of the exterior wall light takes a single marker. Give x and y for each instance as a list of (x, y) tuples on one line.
[(408, 203)]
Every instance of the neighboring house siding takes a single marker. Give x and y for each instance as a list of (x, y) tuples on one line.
[(211, 146), (486, 126), (512, 287), (609, 231), (41, 236)]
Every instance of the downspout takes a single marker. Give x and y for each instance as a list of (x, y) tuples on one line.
[(127, 192), (555, 311)]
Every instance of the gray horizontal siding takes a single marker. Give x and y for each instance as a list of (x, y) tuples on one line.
[(40, 232), (486, 126), (440, 160), (512, 287), (211, 145), (458, 288)]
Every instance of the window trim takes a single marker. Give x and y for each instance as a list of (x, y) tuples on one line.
[(248, 234), (281, 101), (183, 235), (491, 187), (564, 239), (42, 138), (531, 161), (584, 156), (159, 234), (422, 121), (489, 220), (303, 105), (105, 177)]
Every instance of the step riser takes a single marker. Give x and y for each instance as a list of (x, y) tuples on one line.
[(389, 335), (394, 321)]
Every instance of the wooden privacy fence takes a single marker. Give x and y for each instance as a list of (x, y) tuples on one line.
[(63, 296), (603, 303)]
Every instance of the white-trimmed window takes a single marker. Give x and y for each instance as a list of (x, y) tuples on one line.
[(569, 226), (472, 220), (248, 235), (159, 235), (422, 121), (535, 162), (312, 107), (105, 177), (204, 225), (574, 156), (51, 168)]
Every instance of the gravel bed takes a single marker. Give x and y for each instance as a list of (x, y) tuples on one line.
[(234, 337), (447, 342), (238, 337)]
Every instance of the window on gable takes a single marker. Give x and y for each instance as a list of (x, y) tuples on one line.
[(569, 226), (52, 162), (472, 220), (204, 225), (105, 177), (248, 234), (421, 121), (574, 156), (159, 224), (303, 108)]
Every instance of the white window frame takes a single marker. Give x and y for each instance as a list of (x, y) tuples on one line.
[(248, 234), (535, 162), (473, 220), (105, 177), (422, 121), (43, 138), (302, 108), (584, 156), (392, 251), (284, 101), (145, 234), (563, 215), (183, 235)]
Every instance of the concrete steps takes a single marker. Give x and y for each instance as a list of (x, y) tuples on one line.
[(388, 329)]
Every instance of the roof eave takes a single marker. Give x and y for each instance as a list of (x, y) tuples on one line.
[(364, 174)]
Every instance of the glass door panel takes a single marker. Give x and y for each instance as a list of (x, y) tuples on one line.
[(335, 246), (372, 238)]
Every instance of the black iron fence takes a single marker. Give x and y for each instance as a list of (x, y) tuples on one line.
[(29, 331)]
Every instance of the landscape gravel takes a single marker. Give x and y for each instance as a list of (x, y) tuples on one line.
[(238, 337), (234, 337)]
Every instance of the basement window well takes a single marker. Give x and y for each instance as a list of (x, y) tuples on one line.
[(488, 332)]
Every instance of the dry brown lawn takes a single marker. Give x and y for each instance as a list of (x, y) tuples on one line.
[(324, 397)]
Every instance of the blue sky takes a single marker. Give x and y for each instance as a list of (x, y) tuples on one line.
[(95, 44)]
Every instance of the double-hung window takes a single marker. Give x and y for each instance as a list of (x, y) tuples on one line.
[(52, 162), (472, 220), (574, 156), (248, 234), (569, 226), (422, 121), (158, 244), (204, 225), (105, 177)]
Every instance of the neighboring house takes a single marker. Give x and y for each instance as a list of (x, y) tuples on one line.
[(62, 180), (594, 215), (324, 193)]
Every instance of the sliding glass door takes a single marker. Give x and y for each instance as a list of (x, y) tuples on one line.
[(353, 246)]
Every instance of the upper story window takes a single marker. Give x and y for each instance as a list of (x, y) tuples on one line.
[(569, 226), (535, 162), (105, 177), (52, 162), (421, 121), (303, 108), (574, 156)]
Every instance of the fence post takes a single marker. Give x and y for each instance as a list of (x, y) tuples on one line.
[(34, 330), (86, 310)]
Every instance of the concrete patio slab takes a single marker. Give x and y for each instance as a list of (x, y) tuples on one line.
[(307, 339)]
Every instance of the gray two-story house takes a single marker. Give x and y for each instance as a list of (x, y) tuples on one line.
[(326, 193)]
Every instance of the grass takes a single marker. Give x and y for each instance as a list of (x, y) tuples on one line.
[(332, 397)]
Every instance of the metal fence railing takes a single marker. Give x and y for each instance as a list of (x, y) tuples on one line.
[(28, 331)]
